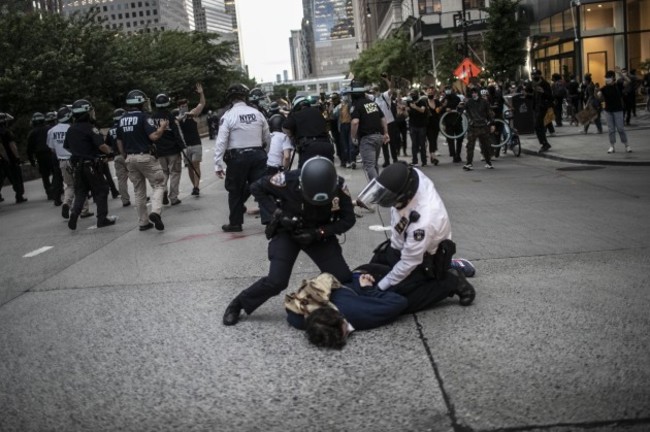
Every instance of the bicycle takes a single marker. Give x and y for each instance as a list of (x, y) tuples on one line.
[(509, 135)]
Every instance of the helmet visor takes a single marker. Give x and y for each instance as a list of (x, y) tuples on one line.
[(375, 193)]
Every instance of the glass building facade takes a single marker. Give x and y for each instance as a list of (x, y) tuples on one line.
[(330, 25), (593, 37)]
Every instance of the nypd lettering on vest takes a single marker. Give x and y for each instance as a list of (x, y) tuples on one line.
[(247, 118)]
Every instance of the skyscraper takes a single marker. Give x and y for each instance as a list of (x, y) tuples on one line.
[(210, 16)]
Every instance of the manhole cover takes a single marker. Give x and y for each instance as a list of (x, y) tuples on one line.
[(581, 168)]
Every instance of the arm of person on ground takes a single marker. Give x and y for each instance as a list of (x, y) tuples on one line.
[(199, 108)]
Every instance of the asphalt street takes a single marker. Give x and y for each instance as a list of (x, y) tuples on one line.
[(114, 329)]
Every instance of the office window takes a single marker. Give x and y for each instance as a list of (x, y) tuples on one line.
[(474, 4), (556, 23), (429, 6), (126, 15), (638, 15)]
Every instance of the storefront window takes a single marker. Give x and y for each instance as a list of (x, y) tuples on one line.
[(567, 47), (568, 20), (601, 54), (545, 26), (638, 48), (602, 18), (553, 50), (638, 15)]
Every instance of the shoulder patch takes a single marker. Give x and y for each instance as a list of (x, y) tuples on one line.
[(278, 180), (419, 234), (150, 121)]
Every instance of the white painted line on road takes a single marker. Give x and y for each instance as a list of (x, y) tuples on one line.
[(379, 228), (38, 251)]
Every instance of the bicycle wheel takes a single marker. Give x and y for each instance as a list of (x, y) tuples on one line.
[(459, 117), (506, 133), (515, 145)]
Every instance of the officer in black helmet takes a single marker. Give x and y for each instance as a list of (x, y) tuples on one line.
[(136, 135), (168, 149), (419, 250), (38, 151), (280, 150), (257, 98), (121, 172), (243, 135), (10, 159), (86, 145), (308, 129), (303, 210)]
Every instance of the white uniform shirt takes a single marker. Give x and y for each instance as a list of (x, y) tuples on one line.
[(423, 235), (240, 127), (279, 143), (55, 139), (383, 100)]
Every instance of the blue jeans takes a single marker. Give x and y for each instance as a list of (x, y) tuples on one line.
[(616, 122)]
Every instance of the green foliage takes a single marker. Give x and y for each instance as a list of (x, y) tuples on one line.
[(504, 42), (51, 60), (449, 59), (284, 91), (395, 56)]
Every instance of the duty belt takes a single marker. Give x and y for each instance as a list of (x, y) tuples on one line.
[(236, 151)]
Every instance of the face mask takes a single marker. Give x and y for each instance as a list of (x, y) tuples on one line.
[(609, 80), (430, 96), (537, 79), (475, 96)]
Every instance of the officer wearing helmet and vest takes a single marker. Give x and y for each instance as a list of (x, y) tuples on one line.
[(55, 140), (121, 172), (279, 155), (255, 97), (168, 149), (38, 152), (86, 145), (308, 128), (57, 176), (419, 250), (303, 210), (136, 134), (10, 159), (243, 135)]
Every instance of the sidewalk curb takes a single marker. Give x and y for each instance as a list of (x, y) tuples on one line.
[(560, 158)]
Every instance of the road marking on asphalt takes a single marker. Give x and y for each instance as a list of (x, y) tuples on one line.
[(379, 228), (38, 251)]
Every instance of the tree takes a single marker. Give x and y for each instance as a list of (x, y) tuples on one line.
[(450, 57), (284, 91), (504, 42), (395, 56)]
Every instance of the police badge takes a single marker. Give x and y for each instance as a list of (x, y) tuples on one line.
[(418, 234)]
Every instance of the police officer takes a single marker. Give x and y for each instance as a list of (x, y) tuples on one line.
[(280, 149), (121, 171), (243, 135), (256, 97), (10, 159), (309, 208), (85, 144), (369, 129), (189, 126), (38, 152), (57, 176), (308, 129), (136, 134), (420, 248), (55, 140), (168, 149)]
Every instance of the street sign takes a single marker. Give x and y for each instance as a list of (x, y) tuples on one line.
[(466, 70)]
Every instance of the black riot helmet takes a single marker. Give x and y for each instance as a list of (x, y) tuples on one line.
[(394, 187), (81, 107), (275, 122), (118, 114), (237, 91), (64, 114), (274, 108), (5, 118), (136, 98), (255, 95), (162, 101), (38, 118), (300, 102), (50, 117), (318, 180)]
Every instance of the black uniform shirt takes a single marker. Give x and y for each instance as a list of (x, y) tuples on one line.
[(369, 115), (416, 118), (169, 143), (83, 140), (111, 138), (306, 123), (134, 130), (7, 137), (334, 219), (37, 141)]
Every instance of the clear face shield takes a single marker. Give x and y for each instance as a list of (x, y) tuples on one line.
[(375, 193)]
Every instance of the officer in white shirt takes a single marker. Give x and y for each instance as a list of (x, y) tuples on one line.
[(420, 249), (243, 135)]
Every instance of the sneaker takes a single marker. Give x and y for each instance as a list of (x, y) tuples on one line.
[(489, 166), (176, 201), (413, 164), (195, 191), (544, 148), (57, 202), (126, 203), (628, 149), (464, 266), (65, 211), (468, 167), (86, 214), (231, 228), (110, 220), (21, 200), (146, 227), (165, 199), (611, 149), (115, 194), (157, 221), (435, 162), (72, 222)]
